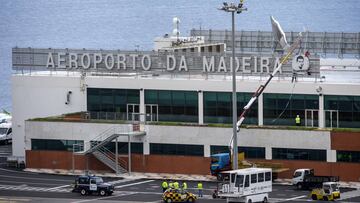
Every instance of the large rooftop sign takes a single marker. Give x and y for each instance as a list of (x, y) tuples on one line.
[(133, 61)]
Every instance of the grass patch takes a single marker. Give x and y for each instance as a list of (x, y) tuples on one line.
[(68, 118)]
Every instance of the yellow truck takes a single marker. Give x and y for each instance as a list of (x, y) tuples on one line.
[(329, 192)]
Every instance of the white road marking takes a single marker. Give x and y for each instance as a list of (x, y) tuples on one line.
[(5, 181), (54, 188), (124, 193), (137, 183), (22, 177), (293, 198), (298, 197), (14, 199), (121, 181)]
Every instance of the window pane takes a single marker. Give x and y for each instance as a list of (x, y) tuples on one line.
[(164, 98), (281, 109), (151, 97), (348, 156), (56, 145), (260, 177), (177, 149), (299, 154), (253, 178), (267, 176)]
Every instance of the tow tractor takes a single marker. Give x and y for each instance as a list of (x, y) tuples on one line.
[(329, 192)]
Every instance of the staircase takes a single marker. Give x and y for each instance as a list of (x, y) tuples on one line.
[(97, 147), (108, 158)]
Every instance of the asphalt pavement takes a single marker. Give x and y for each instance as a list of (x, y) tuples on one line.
[(20, 186)]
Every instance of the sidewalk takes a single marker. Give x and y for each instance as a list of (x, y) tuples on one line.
[(161, 176)]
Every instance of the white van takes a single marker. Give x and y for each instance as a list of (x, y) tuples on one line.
[(247, 185), (5, 133), (5, 118)]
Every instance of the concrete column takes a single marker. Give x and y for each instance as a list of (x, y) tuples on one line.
[(268, 153), (261, 110), (321, 112), (146, 143), (330, 155), (142, 105), (201, 107), (206, 150)]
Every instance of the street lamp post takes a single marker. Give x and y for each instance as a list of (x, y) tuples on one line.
[(238, 9)]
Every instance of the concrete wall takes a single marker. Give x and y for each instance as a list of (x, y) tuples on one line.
[(200, 135), (34, 97), (45, 95), (69, 131)]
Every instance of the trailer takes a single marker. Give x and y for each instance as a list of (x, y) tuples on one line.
[(246, 185)]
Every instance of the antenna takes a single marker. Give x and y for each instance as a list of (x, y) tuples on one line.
[(176, 31)]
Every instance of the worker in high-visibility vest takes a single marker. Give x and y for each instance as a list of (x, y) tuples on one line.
[(171, 184), (200, 188), (164, 185), (184, 186), (176, 185), (298, 120)]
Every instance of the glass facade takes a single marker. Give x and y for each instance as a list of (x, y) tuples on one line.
[(299, 154), (110, 103), (123, 147), (250, 152), (218, 107), (348, 108), (54, 145), (348, 156), (177, 149), (178, 106), (288, 107)]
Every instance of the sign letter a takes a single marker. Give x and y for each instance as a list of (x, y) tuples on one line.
[(50, 61)]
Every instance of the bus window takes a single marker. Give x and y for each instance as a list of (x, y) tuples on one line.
[(261, 177), (232, 177), (239, 181), (253, 178), (247, 181), (267, 176)]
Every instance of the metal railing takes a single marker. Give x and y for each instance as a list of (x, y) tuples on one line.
[(105, 137), (122, 165)]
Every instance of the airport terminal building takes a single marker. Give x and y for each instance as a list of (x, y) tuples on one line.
[(180, 95)]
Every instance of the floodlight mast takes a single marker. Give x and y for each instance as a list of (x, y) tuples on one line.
[(238, 9)]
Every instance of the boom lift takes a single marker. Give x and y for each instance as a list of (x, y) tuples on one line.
[(216, 165)]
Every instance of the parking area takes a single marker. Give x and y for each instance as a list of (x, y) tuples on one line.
[(19, 186)]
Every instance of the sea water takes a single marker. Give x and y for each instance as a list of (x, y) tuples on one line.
[(133, 24)]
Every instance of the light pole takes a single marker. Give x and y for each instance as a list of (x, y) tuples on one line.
[(238, 9)]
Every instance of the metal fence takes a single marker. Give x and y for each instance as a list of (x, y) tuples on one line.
[(338, 43)]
